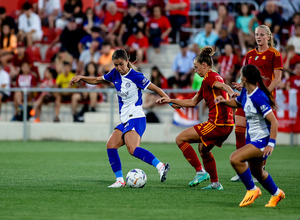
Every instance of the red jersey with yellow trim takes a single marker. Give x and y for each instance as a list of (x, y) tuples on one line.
[(219, 114), (267, 62)]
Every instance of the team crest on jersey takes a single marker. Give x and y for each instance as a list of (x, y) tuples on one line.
[(127, 85), (264, 57), (248, 108)]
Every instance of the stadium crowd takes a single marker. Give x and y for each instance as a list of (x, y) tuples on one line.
[(81, 42)]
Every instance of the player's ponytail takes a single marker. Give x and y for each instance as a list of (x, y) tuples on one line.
[(205, 56), (253, 76), (121, 53)]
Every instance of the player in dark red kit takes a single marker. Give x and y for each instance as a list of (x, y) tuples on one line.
[(211, 133)]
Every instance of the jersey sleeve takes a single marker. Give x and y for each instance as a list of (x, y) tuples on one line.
[(262, 104), (140, 80), (212, 79), (278, 63), (109, 76), (240, 97)]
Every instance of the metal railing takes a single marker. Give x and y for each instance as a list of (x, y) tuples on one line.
[(111, 93)]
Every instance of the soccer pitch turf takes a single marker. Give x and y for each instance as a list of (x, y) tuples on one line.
[(68, 180)]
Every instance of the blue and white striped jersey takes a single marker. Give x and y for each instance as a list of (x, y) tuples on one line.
[(129, 88), (256, 106)]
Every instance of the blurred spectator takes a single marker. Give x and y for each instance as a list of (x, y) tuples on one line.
[(91, 54), (62, 81), (222, 41), (49, 11), (131, 21), (20, 4), (294, 81), (8, 40), (4, 84), (143, 9), (270, 17), (159, 80), (60, 58), (25, 80), (90, 20), (70, 38), (183, 67), (206, 37), (295, 40), (137, 46), (5, 19), (90, 70), (76, 7), (296, 21), (228, 65), (224, 20), (30, 27), (62, 21), (291, 58), (284, 79), (178, 16), (86, 41), (245, 35), (111, 23), (122, 5), (158, 28), (48, 82), (105, 62), (152, 3)]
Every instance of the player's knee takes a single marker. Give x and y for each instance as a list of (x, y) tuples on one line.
[(233, 159), (131, 150), (179, 140)]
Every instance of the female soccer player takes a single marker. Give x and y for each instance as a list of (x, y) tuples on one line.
[(213, 132), (257, 103), (128, 84), (269, 62)]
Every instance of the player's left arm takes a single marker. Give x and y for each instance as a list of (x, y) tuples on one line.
[(273, 133), (226, 88), (277, 79)]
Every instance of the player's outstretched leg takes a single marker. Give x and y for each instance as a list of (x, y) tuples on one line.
[(149, 158)]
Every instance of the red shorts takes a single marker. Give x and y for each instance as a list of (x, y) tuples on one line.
[(212, 134), (240, 112)]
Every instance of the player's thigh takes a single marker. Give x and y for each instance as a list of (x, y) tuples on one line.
[(188, 135), (245, 153), (132, 140), (240, 121), (115, 140)]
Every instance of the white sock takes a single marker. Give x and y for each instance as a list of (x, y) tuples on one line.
[(121, 179), (277, 192), (254, 188), (215, 184), (159, 166), (201, 171)]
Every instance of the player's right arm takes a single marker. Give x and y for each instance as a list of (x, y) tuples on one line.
[(87, 79), (231, 102), (182, 102)]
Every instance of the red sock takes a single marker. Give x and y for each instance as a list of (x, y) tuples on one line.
[(210, 166), (190, 155), (240, 136)]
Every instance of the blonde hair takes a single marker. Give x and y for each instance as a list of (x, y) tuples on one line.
[(205, 56), (269, 33)]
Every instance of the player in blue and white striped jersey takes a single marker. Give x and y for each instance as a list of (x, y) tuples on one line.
[(129, 85), (257, 103)]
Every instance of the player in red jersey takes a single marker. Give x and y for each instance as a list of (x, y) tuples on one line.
[(269, 62), (213, 132)]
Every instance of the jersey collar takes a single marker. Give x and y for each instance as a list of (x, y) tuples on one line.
[(249, 95)]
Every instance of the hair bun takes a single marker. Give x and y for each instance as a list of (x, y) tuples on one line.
[(207, 51)]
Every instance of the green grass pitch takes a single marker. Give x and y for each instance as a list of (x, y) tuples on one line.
[(68, 180)]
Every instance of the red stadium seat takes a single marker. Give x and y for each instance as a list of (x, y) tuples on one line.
[(34, 53), (51, 51)]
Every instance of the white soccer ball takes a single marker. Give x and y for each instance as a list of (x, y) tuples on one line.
[(136, 178)]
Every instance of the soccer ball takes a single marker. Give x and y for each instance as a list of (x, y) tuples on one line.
[(136, 178)]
